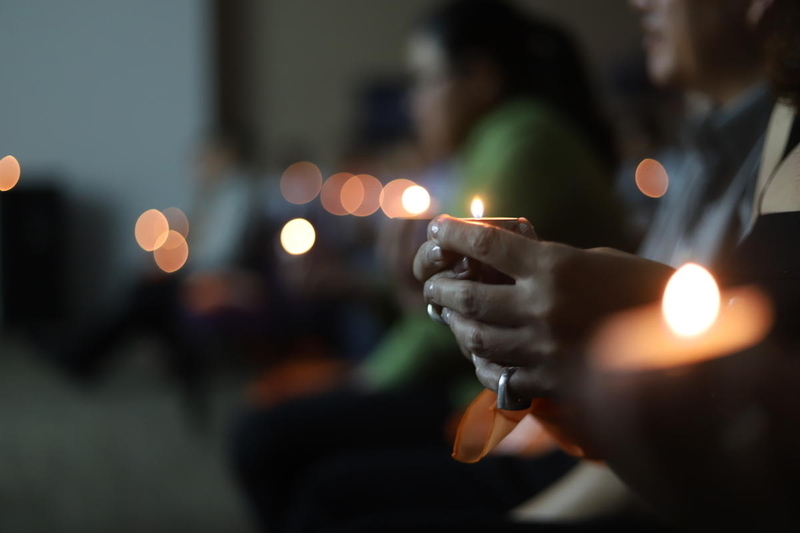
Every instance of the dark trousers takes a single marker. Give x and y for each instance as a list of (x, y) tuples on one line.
[(317, 462)]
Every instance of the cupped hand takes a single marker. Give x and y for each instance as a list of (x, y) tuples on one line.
[(559, 293)]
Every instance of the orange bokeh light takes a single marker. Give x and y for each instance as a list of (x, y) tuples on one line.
[(151, 230), (301, 182), (372, 195), (352, 194), (652, 178), (177, 220), (361, 195), (172, 255), (391, 198), (9, 172), (331, 195)]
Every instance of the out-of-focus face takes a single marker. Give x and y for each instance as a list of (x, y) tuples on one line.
[(444, 104), (687, 41)]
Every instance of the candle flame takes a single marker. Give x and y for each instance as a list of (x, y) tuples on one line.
[(691, 301), (476, 208)]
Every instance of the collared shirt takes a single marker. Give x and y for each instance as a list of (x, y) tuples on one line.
[(707, 207)]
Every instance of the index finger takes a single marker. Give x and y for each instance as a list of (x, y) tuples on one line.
[(497, 247)]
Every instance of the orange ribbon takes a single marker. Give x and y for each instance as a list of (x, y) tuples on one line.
[(485, 429)]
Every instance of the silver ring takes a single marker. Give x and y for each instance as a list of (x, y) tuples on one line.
[(504, 400)]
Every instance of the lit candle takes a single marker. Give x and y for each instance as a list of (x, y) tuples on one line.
[(474, 270), (477, 209), (694, 322)]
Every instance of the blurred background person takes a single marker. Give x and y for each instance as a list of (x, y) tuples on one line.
[(506, 96), (215, 296), (689, 44)]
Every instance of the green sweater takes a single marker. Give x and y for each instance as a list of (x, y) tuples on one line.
[(523, 159)]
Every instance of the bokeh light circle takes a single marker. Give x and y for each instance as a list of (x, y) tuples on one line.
[(151, 230), (371, 197), (298, 236), (352, 194), (391, 198), (652, 179), (173, 254), (301, 182), (9, 172), (331, 194), (415, 200), (177, 220)]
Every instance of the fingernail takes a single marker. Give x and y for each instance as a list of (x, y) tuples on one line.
[(524, 228), (428, 289), (434, 315), (461, 266), (433, 228), (446, 315), (435, 255)]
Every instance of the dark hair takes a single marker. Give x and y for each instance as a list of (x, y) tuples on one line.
[(533, 57), (783, 50)]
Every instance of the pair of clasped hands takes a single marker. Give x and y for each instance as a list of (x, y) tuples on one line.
[(540, 306)]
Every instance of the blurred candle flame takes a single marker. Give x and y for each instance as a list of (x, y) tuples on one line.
[(173, 253), (298, 236), (177, 220), (331, 194), (352, 194), (416, 200), (151, 230), (694, 322), (652, 178), (391, 198), (371, 198), (691, 301), (9, 172), (301, 182), (476, 208)]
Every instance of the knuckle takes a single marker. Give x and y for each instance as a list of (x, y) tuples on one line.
[(476, 340), (468, 301)]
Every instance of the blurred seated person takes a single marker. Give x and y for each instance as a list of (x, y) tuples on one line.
[(709, 444), (187, 308), (506, 96)]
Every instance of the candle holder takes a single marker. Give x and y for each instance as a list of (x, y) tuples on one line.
[(642, 340), (475, 270)]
